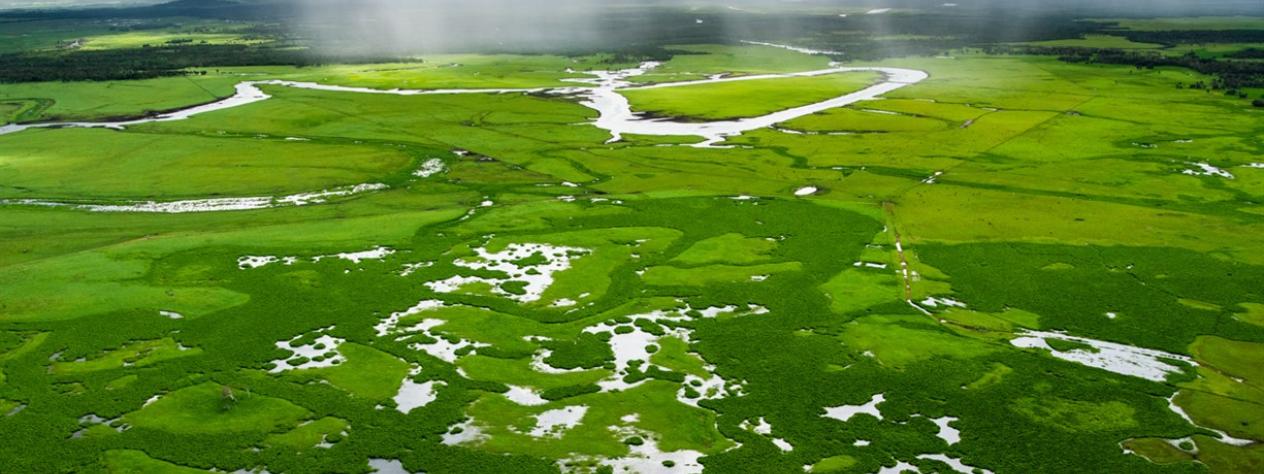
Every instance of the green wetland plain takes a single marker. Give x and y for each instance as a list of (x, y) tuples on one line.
[(1014, 256)]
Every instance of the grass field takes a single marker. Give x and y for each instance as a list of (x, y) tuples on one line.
[(1198, 23), (35, 102), (700, 61), (1213, 50), (1097, 41), (89, 35), (142, 39), (158, 166), (977, 245), (739, 99), (9, 111), (43, 35), (450, 72), (103, 100)]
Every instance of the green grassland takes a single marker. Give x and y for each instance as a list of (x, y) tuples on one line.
[(1057, 197), (58, 101), (1203, 50), (103, 100), (158, 166), (1212, 50), (10, 110), (1097, 41), (447, 72), (739, 99), (20, 36), (140, 39), (1198, 23), (120, 461), (854, 120), (88, 35), (700, 61)]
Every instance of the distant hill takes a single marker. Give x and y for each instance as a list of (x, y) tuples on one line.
[(226, 9)]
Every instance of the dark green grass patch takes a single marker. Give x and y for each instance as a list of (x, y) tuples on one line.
[(1142, 286)]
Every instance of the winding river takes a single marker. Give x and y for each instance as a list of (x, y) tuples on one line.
[(617, 117), (602, 93)]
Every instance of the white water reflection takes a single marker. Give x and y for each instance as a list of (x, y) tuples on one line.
[(247, 93), (208, 205), (615, 112), (1121, 359), (1224, 437), (846, 412), (617, 117)]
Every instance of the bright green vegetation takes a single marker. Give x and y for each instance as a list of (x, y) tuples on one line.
[(108, 285), (122, 382), (368, 373), (211, 408), (1227, 395), (1197, 23), (55, 101), (676, 314), (43, 35), (9, 111), (1141, 283), (673, 353), (1074, 416), (1237, 417), (447, 72), (18, 345), (77, 35), (898, 341), (996, 375), (1253, 314), (87, 164), (857, 289), (700, 61), (1235, 358), (859, 121), (1158, 451), (132, 461), (1212, 50), (1097, 41), (311, 434), (138, 354), (701, 276), (732, 248), (738, 99), (139, 39), (7, 406), (593, 436), (833, 464)]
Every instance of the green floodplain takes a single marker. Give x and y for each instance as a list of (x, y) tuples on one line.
[(1020, 264)]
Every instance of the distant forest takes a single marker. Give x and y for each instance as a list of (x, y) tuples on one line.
[(630, 35), (156, 61), (1231, 74), (635, 35)]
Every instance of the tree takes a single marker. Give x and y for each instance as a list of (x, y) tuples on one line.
[(1258, 103)]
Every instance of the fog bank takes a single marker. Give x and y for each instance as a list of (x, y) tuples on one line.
[(417, 26)]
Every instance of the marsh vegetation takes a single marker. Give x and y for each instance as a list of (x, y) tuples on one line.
[(1010, 246)]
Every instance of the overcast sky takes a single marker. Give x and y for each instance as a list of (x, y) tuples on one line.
[(1140, 6), (6, 4)]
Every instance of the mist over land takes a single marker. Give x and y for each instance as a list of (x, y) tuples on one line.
[(310, 32), (406, 27), (402, 26)]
